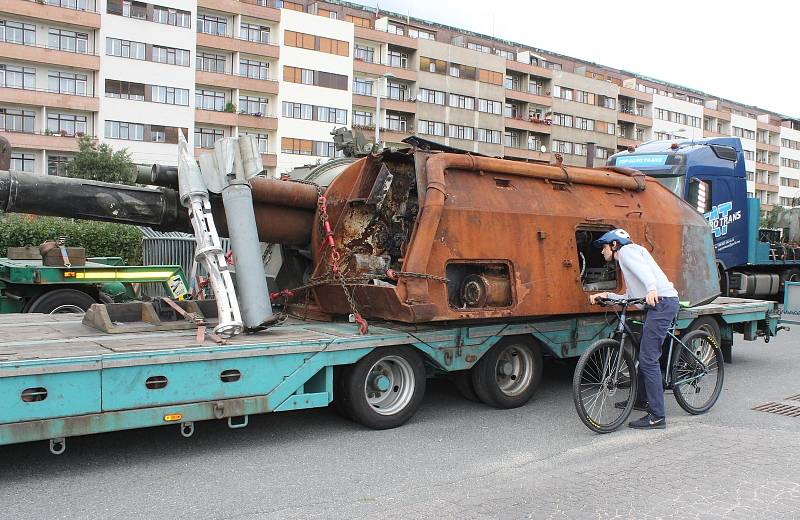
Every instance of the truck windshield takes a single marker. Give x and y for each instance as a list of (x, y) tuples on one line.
[(674, 183)]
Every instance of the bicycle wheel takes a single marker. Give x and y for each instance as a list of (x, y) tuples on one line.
[(596, 391), (697, 385)]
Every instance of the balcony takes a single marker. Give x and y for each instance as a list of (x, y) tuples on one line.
[(634, 116), (768, 147), (235, 119), (635, 94), (525, 68), (719, 114), (39, 141), (229, 43), (527, 154), (409, 106), (528, 97), (768, 126), (226, 80), (767, 187), (385, 37), (250, 8), (626, 142), (541, 126), (41, 97), (379, 69), (772, 168), (46, 55), (45, 12), (711, 133)]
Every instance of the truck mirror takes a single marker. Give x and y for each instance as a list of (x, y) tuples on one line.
[(699, 195)]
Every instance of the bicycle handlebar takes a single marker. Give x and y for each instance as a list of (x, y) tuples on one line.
[(605, 302)]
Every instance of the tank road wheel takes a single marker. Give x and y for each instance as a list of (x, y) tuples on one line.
[(509, 373), (385, 388), (62, 301)]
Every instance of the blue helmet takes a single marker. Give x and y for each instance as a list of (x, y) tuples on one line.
[(620, 235)]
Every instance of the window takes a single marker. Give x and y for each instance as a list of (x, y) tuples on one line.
[(790, 163), (71, 41), (358, 21), (212, 24), (562, 120), (395, 29), (490, 76), (316, 43), (431, 96), (535, 87), (79, 5), (461, 132), (479, 47), (488, 136), (17, 77), (171, 16), (57, 164), (17, 32), (583, 123), (364, 53), (509, 55), (600, 152), (66, 124), (307, 147), (67, 83), (362, 118), (562, 147), (170, 56), (124, 130), (397, 91), (206, 137), (327, 14), (459, 101), (582, 96), (17, 120), (158, 134), (125, 90), (254, 33), (170, 95), (209, 100), (294, 6), (134, 9), (513, 82), (511, 139), (210, 62), (362, 87), (432, 65), (253, 69), (398, 59), (743, 133), (22, 162), (749, 155), (430, 128), (253, 105), (314, 77), (562, 93), (492, 107), (262, 141), (125, 49), (579, 149), (455, 70), (398, 123), (420, 33)]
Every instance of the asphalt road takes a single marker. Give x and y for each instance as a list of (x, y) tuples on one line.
[(454, 459)]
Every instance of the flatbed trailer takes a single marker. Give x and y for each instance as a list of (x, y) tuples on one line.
[(60, 378)]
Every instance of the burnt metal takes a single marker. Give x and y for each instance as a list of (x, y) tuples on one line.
[(779, 409)]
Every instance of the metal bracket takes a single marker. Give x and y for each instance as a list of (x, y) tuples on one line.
[(187, 429), (219, 410), (233, 425), (58, 445)]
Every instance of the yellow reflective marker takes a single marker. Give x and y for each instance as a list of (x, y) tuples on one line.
[(113, 275), (172, 417)]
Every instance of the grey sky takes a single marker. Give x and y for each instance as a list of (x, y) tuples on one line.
[(744, 51)]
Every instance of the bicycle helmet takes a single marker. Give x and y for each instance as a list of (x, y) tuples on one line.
[(619, 235)]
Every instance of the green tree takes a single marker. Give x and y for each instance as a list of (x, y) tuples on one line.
[(770, 218), (101, 163)]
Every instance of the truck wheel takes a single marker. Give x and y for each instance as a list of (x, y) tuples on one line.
[(463, 381), (507, 375), (385, 388), (62, 301)]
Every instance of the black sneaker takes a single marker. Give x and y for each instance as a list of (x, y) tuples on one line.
[(638, 405), (649, 422)]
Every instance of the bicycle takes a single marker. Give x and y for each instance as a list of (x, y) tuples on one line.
[(606, 373)]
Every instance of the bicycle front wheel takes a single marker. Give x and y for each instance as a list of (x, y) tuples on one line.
[(603, 394), (697, 372)]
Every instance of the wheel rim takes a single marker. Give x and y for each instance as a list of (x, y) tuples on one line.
[(389, 386), (699, 386), (68, 309), (514, 370), (599, 392), (703, 349)]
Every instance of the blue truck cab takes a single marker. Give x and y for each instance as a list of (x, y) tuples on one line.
[(710, 173)]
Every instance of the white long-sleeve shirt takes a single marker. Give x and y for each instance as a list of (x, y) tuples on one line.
[(642, 274)]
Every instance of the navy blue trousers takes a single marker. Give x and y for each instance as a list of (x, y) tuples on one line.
[(656, 324)]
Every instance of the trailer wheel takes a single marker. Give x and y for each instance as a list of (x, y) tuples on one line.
[(385, 388), (463, 381), (507, 375), (62, 301)]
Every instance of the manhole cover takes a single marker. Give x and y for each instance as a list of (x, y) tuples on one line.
[(780, 409), (794, 398)]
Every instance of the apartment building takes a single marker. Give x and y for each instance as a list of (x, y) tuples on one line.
[(134, 74)]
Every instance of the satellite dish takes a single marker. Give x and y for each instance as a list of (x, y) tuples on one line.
[(543, 149)]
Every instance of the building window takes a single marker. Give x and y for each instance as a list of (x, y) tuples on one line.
[(170, 95), (430, 128), (17, 32), (492, 107), (579, 149), (583, 123), (57, 164), (420, 33), (262, 141), (398, 59), (170, 56), (461, 132), (158, 134), (562, 147), (432, 65), (209, 100), (17, 77), (364, 53), (253, 69), (315, 77), (562, 120), (307, 147), (600, 152), (124, 90), (459, 101), (212, 25), (362, 119), (256, 106), (134, 9), (398, 123), (562, 93), (22, 162), (67, 83), (79, 5), (744, 133), (17, 120), (316, 43), (125, 49), (254, 33), (211, 62), (70, 41), (397, 91), (505, 54), (206, 137), (513, 82), (66, 124), (395, 29), (358, 21), (124, 130), (362, 87), (431, 96), (488, 136), (478, 47), (171, 16), (511, 139)]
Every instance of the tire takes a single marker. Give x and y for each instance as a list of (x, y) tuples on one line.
[(339, 404), (684, 366), (62, 301), (385, 388), (589, 377), (463, 381), (707, 324), (507, 375)]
